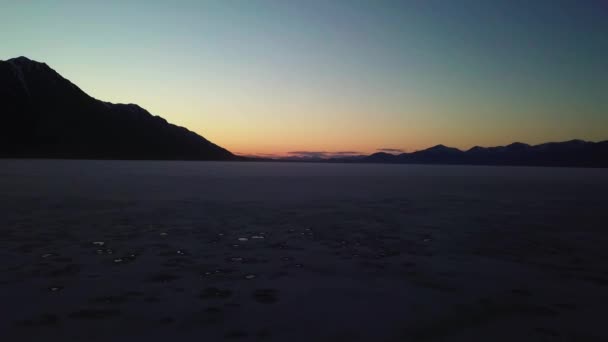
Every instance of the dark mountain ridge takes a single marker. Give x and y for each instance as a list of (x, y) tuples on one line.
[(46, 116), (575, 153)]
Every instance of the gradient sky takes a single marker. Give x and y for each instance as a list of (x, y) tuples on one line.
[(270, 77)]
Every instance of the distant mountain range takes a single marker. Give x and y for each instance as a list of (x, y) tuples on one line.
[(44, 115), (576, 153)]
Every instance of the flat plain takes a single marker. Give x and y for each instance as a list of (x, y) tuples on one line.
[(151, 250)]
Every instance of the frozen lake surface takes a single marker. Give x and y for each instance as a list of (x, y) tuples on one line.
[(124, 250)]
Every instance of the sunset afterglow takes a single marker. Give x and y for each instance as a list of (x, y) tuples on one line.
[(273, 77)]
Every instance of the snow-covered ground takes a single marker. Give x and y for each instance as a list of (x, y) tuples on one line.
[(132, 250)]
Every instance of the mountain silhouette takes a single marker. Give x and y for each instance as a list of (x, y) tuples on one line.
[(576, 153), (46, 116)]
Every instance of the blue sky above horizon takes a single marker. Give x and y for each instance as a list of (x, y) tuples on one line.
[(272, 77)]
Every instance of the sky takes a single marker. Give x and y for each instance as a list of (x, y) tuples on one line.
[(269, 77)]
